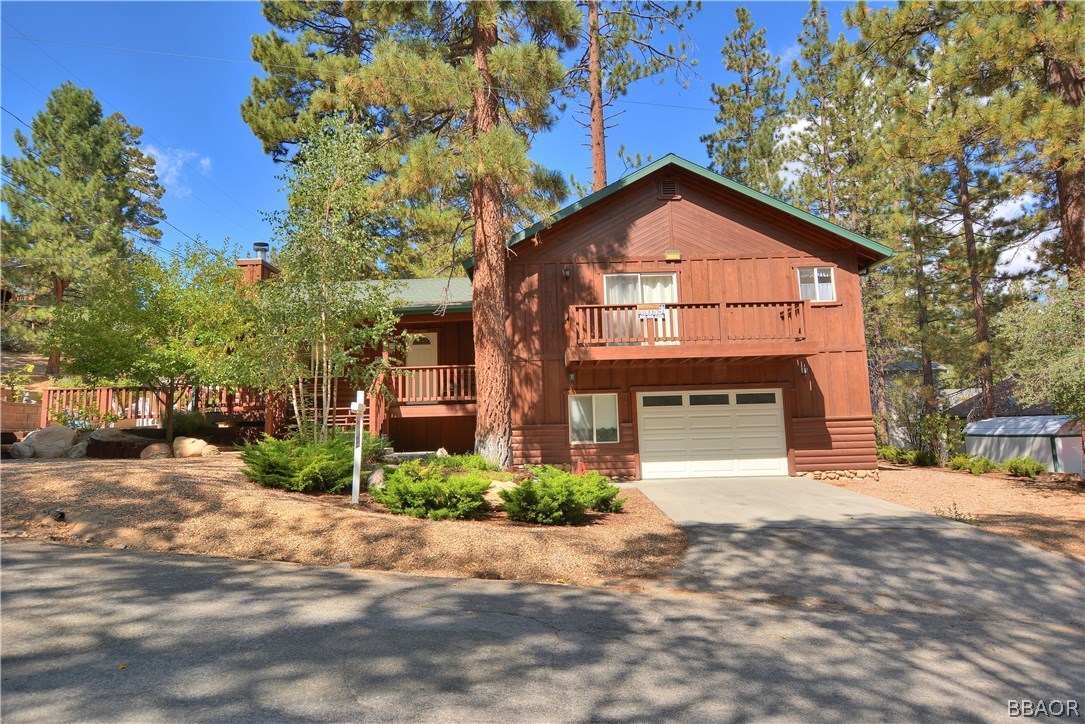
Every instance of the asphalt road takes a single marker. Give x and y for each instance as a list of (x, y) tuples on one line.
[(108, 635)]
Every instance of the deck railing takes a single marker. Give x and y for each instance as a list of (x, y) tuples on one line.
[(144, 405), (433, 384), (599, 325)]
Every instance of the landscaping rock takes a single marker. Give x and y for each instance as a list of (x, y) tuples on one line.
[(491, 493), (188, 447), (376, 479), (51, 442), (112, 434), (22, 450), (442, 453), (156, 451), (78, 450), (209, 451)]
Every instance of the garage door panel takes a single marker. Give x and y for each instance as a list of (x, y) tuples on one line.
[(709, 440)]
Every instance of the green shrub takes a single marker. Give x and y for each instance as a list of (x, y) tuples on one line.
[(981, 465), (466, 461), (923, 458), (960, 462), (1024, 467), (301, 465), (892, 454), (425, 490), (191, 424), (975, 464), (551, 496)]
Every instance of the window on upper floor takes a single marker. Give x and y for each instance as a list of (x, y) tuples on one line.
[(593, 418), (817, 283)]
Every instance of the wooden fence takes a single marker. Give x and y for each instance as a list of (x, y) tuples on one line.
[(143, 406)]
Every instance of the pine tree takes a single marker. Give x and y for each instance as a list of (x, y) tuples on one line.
[(1028, 58), (621, 47), (459, 89), (312, 47), (751, 110), (78, 196), (940, 124)]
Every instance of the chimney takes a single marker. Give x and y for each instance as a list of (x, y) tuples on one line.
[(257, 268)]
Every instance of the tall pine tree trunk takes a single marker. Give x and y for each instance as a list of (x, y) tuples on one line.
[(926, 363), (1066, 81), (595, 93), (493, 427), (52, 367), (979, 308)]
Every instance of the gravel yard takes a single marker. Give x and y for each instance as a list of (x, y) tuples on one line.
[(206, 506), (1045, 513)]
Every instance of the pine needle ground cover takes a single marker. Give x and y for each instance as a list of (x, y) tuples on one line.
[(207, 506)]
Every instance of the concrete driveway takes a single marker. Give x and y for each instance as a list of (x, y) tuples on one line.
[(820, 546)]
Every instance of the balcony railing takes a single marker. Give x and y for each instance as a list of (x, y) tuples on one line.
[(433, 384), (698, 323)]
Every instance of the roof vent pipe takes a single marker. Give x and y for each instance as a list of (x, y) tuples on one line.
[(260, 248)]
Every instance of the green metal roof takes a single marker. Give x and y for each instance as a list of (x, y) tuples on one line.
[(426, 296), (671, 159)]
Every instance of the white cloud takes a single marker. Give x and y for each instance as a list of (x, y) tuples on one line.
[(1013, 207), (174, 168), (787, 55)]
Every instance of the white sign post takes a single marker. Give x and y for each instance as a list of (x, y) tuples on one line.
[(358, 408)]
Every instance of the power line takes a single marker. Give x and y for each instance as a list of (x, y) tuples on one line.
[(194, 169), (13, 174), (281, 67)]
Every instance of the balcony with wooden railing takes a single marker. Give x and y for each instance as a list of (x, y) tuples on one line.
[(691, 330), (430, 391)]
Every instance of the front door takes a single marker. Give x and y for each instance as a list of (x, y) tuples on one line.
[(422, 383)]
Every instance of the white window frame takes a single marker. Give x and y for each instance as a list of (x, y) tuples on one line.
[(817, 286), (594, 425), (640, 284)]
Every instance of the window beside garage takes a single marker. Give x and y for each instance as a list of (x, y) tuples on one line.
[(593, 418), (816, 284)]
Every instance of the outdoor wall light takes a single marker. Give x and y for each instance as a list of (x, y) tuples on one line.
[(804, 369), (567, 272), (572, 378)]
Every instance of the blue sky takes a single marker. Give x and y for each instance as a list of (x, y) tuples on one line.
[(219, 184)]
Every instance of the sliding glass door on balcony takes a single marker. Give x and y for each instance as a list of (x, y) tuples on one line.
[(631, 290)]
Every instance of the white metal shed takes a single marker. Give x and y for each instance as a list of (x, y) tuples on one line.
[(1050, 439)]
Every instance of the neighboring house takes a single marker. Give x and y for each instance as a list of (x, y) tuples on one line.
[(672, 324), (1006, 404), (903, 398)]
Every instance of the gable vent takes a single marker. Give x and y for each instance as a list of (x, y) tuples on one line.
[(668, 188)]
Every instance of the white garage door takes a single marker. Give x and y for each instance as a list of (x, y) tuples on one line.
[(713, 433)]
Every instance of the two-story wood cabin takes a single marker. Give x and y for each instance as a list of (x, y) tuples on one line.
[(673, 324)]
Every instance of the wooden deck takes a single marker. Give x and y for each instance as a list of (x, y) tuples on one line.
[(610, 333)]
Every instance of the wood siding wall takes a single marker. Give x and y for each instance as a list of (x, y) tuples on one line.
[(732, 250)]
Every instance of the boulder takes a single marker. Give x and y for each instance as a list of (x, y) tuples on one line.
[(78, 450), (376, 479), (210, 451), (156, 451), (112, 434), (442, 453), (51, 442), (22, 450), (188, 447)]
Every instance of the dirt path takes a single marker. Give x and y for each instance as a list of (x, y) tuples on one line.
[(206, 506), (1046, 514)]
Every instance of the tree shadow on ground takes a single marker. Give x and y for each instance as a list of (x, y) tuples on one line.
[(212, 639)]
